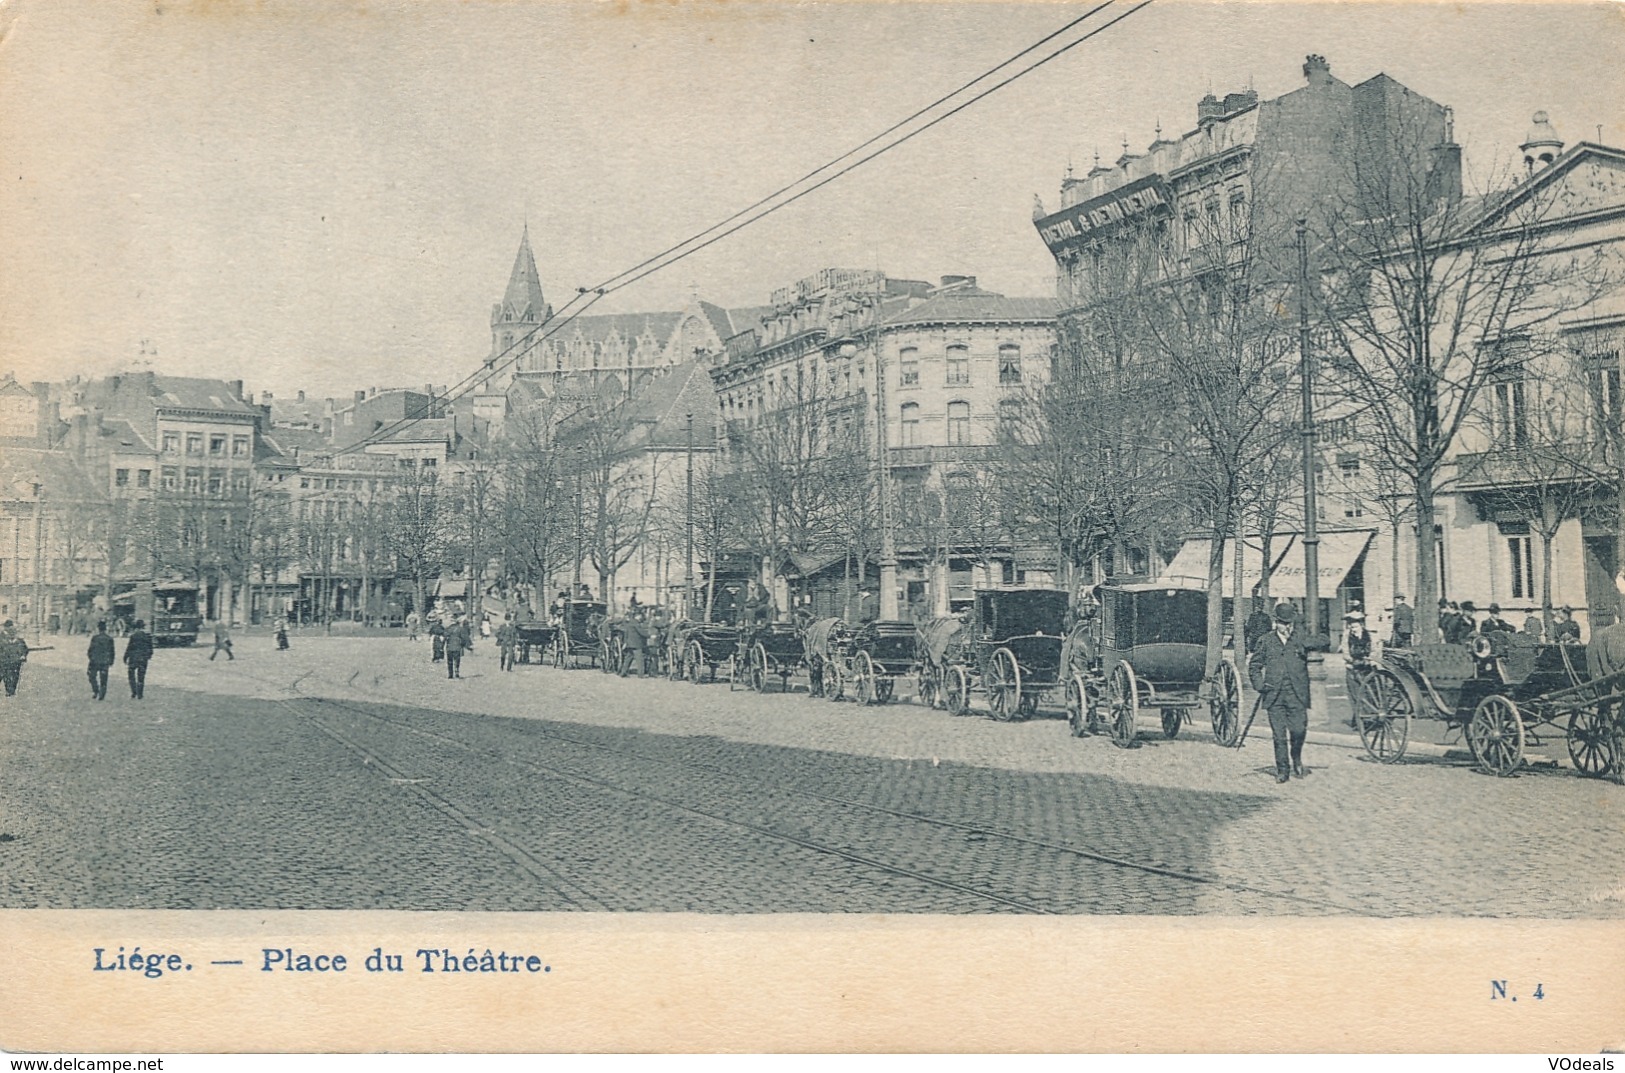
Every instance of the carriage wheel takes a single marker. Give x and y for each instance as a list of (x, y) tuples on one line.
[(1224, 705), (1003, 681), (863, 678), (1591, 743), (694, 661), (884, 688), (1383, 710), (1077, 706), (1496, 735), (756, 669), (1123, 695), (1171, 719), (834, 681), (925, 690), (956, 691)]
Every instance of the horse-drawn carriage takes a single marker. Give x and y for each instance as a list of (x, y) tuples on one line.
[(1011, 648), (863, 662), (774, 650), (579, 632), (535, 635), (1147, 649), (709, 647), (1502, 691)]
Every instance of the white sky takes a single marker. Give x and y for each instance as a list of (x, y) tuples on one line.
[(330, 196)]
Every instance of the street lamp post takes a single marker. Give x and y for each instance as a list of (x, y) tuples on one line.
[(1311, 538), (579, 463)]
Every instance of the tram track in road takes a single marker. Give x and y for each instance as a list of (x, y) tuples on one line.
[(969, 830)]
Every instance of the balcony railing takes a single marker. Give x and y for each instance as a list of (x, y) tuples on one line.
[(1521, 467)]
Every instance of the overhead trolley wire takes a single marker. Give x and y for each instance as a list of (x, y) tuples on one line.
[(770, 204)]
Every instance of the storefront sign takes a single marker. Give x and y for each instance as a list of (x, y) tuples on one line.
[(1074, 226)]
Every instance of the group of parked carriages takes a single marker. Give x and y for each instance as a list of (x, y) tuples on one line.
[(1136, 649)]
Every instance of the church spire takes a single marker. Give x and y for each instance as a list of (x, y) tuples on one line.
[(523, 301)]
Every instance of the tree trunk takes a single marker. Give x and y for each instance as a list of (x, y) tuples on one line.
[(1427, 581), (1215, 599)]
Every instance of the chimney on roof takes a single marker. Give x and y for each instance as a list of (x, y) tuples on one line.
[(266, 397), (237, 390), (360, 396), (1316, 71), (301, 396), (372, 392), (1208, 111)]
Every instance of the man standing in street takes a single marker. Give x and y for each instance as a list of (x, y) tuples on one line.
[(13, 654), (635, 638), (412, 625), (1280, 674), (137, 654), (1258, 620), (458, 641), (1404, 622), (101, 658), (507, 640), (222, 640)]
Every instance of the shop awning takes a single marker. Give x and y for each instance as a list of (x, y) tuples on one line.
[(453, 588), (1190, 565), (1338, 554)]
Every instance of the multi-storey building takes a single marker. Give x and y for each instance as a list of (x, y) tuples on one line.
[(179, 453), (1231, 190), (897, 370)]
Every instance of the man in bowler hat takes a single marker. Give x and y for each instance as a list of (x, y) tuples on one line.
[(100, 654), (137, 654), (1280, 674)]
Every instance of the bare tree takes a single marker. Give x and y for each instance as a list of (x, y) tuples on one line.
[(418, 529), (1427, 298)]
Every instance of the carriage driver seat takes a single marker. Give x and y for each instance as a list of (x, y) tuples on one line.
[(1445, 664)]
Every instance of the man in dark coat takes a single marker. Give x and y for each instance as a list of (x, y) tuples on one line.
[(437, 641), (507, 641), (1404, 622), (635, 639), (101, 657), (13, 654), (1280, 674), (137, 654), (1495, 623), (458, 641), (1258, 621)]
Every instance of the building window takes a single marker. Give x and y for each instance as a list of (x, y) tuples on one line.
[(194, 479), (908, 367), (194, 443), (121, 477), (911, 424), (143, 478), (959, 365), (1607, 406), (217, 445), (217, 482), (239, 447), (1520, 552), (170, 477), (1509, 424), (1348, 466), (172, 443), (1009, 364), (1354, 512), (958, 423)]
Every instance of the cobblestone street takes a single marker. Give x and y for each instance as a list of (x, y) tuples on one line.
[(350, 773)]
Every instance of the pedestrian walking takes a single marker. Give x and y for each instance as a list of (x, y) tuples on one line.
[(222, 640), (485, 625), (101, 655), (437, 641), (458, 641), (507, 641), (13, 654), (1404, 622), (137, 654), (635, 641), (412, 623), (1280, 673), (281, 635)]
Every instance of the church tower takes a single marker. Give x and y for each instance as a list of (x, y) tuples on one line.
[(522, 309)]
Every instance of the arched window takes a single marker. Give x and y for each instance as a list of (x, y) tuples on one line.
[(958, 423), (959, 364), (908, 367), (1009, 364), (911, 424), (1010, 418)]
